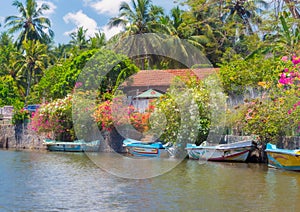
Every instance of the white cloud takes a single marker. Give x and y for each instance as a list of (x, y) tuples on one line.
[(52, 7), (109, 32), (110, 7), (79, 19)]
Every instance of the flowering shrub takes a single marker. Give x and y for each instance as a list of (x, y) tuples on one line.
[(277, 112), (55, 119), (193, 100), (291, 77), (103, 115), (291, 74), (266, 118), (113, 113), (140, 121)]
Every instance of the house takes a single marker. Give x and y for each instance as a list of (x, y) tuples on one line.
[(138, 87), (141, 101)]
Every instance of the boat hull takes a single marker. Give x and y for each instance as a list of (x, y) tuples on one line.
[(282, 158), (219, 155), (147, 152), (142, 149), (193, 153), (66, 147), (77, 146), (227, 152), (229, 155)]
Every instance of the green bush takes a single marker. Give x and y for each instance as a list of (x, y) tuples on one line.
[(20, 116)]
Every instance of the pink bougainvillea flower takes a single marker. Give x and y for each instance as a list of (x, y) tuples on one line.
[(285, 58), (295, 60), (284, 79), (78, 84)]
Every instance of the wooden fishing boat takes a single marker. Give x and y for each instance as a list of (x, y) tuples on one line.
[(146, 149), (283, 158), (238, 151), (75, 146)]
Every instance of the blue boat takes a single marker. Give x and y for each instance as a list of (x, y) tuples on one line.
[(75, 146), (283, 158), (146, 149)]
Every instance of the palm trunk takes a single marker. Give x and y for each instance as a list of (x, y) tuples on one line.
[(28, 84)]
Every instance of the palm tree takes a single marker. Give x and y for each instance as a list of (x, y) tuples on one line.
[(31, 63), (176, 27), (79, 38), (287, 37), (31, 24), (62, 51), (141, 18), (6, 54), (245, 12), (177, 36), (202, 27), (97, 41)]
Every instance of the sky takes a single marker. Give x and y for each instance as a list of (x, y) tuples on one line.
[(67, 15)]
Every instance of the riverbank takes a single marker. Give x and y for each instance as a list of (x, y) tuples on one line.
[(20, 137)]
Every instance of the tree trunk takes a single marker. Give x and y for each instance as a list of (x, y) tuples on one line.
[(28, 83)]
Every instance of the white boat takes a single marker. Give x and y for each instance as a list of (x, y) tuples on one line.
[(238, 151)]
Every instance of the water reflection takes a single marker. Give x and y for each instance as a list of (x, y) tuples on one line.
[(36, 181), (133, 167), (283, 184)]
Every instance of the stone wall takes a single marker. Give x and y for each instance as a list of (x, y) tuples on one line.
[(19, 137), (233, 138), (289, 142), (112, 142), (7, 136)]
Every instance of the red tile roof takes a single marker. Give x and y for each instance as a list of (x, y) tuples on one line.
[(158, 78)]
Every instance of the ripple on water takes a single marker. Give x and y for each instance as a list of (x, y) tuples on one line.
[(43, 181)]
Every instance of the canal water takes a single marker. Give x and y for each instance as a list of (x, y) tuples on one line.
[(47, 181)]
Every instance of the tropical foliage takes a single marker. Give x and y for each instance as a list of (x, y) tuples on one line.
[(246, 39), (9, 94), (276, 113), (237, 74)]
